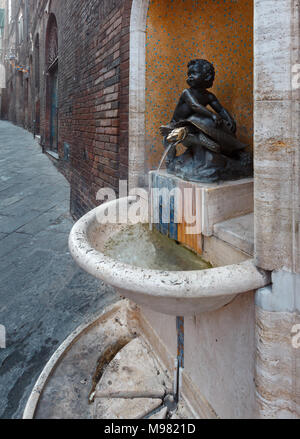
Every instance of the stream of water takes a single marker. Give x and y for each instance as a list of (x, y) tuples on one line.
[(164, 157)]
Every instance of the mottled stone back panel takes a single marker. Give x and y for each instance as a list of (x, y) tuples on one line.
[(178, 31)]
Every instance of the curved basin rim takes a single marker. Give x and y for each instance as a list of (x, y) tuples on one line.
[(215, 282)]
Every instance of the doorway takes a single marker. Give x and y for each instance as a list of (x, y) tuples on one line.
[(52, 100), (54, 109)]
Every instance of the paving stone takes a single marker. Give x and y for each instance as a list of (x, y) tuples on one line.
[(21, 208), (6, 186), (134, 372), (125, 408), (42, 222), (66, 395), (12, 242), (10, 224), (9, 201), (38, 203), (47, 239), (161, 414)]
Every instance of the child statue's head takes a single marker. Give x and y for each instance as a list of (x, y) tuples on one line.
[(201, 74)]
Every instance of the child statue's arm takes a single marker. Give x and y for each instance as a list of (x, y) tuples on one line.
[(215, 105), (190, 100)]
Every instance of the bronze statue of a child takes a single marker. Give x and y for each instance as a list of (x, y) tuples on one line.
[(213, 151)]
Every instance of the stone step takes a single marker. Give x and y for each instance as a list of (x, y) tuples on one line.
[(238, 232)]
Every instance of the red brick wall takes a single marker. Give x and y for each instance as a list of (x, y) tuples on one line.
[(93, 90)]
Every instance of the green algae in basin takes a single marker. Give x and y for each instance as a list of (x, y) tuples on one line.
[(138, 246)]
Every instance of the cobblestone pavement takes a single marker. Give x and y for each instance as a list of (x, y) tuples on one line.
[(44, 296)]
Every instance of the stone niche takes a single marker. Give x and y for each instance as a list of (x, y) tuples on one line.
[(178, 31), (221, 32)]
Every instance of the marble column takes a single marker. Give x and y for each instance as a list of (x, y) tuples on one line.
[(277, 174), (277, 119)]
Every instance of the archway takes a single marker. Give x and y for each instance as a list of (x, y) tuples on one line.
[(52, 84)]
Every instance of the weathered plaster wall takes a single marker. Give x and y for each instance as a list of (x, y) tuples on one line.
[(178, 31)]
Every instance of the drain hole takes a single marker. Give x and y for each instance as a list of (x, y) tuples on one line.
[(105, 359)]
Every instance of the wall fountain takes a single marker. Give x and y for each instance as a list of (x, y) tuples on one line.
[(212, 181), (164, 249)]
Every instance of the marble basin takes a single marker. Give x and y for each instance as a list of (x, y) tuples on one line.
[(179, 293)]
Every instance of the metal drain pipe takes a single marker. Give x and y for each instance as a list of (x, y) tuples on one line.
[(179, 362)]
